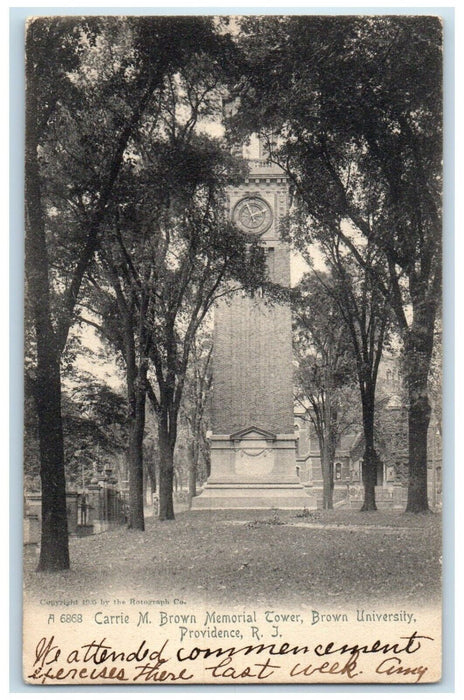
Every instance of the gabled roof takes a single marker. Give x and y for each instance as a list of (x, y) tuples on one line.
[(253, 432), (395, 402)]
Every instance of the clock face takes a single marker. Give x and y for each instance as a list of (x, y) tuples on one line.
[(253, 215)]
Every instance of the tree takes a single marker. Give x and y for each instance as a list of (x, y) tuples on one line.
[(194, 405), (88, 84), (325, 369), (94, 431), (94, 419), (367, 318), (209, 253), (169, 253), (41, 99), (200, 253), (357, 103)]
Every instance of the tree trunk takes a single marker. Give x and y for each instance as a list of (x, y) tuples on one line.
[(166, 473), (136, 431), (193, 461), (369, 479), (417, 356), (327, 476), (327, 451), (370, 457), (147, 489), (151, 471), (54, 551), (136, 398)]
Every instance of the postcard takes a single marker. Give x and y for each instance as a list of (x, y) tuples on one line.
[(233, 350)]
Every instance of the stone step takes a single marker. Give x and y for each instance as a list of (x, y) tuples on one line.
[(253, 496)]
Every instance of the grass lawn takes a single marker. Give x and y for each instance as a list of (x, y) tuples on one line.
[(257, 557)]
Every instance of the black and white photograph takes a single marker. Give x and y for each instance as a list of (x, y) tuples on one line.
[(233, 432)]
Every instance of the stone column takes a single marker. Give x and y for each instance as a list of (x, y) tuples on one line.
[(93, 500), (71, 511)]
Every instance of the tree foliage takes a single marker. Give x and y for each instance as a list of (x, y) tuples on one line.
[(194, 409), (90, 83), (356, 102), (168, 253), (325, 376)]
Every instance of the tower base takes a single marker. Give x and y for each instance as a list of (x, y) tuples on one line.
[(217, 496), (253, 469)]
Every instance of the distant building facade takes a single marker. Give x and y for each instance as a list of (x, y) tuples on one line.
[(391, 445)]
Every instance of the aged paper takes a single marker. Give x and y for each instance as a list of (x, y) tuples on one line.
[(134, 644), (279, 567)]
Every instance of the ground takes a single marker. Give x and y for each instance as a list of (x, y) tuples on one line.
[(257, 557)]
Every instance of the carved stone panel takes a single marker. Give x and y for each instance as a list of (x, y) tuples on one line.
[(253, 458)]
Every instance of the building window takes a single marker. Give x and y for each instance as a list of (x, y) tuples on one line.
[(338, 471)]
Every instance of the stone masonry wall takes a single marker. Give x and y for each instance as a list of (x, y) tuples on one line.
[(252, 358)]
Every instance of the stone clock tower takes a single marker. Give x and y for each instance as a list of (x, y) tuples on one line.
[(253, 460)]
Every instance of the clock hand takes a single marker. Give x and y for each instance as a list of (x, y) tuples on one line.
[(249, 210), (251, 215), (259, 212)]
